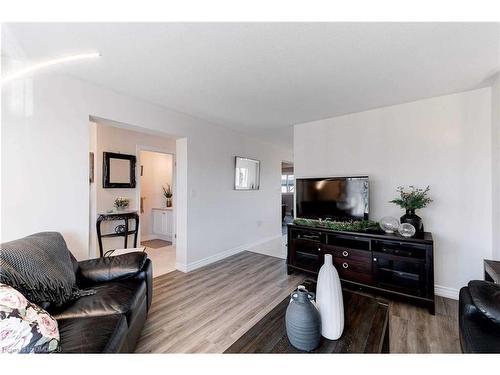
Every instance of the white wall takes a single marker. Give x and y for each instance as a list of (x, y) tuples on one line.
[(444, 142), (157, 173), (495, 141), (45, 144)]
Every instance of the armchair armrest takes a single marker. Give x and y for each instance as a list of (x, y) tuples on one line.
[(111, 268), (486, 297)]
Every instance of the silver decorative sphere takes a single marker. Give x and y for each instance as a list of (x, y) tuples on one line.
[(407, 230), (389, 224)]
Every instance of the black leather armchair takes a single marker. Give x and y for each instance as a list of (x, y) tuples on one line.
[(479, 317), (110, 320)]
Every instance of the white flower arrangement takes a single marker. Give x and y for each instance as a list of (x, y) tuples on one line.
[(121, 202)]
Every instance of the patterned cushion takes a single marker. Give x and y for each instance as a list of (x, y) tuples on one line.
[(24, 326)]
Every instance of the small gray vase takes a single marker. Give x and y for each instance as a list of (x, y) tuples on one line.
[(303, 323)]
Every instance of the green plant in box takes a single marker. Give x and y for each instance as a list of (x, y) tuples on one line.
[(347, 226)]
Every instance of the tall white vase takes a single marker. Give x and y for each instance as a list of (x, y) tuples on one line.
[(329, 300)]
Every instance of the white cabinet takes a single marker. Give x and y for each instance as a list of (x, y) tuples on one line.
[(158, 221), (163, 223)]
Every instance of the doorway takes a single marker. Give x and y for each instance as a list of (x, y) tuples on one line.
[(156, 209), (287, 195), (164, 239)]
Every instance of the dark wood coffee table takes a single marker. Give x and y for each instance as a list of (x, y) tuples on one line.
[(366, 329), (492, 270)]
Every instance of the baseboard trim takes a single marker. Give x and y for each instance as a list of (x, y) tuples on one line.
[(444, 291), (154, 236), (439, 290), (219, 256), (164, 237), (282, 255), (148, 237), (181, 267)]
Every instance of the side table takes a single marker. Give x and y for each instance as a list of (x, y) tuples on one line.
[(120, 230)]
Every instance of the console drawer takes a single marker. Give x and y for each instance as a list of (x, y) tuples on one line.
[(357, 277), (353, 265), (306, 246), (352, 270), (351, 254), (307, 235)]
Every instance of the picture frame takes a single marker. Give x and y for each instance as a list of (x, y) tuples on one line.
[(246, 173), (118, 171)]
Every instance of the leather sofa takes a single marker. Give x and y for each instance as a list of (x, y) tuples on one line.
[(479, 317), (111, 320)]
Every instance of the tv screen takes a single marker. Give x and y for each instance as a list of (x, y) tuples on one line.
[(333, 198)]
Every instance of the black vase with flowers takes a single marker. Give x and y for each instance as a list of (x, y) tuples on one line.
[(411, 218), (412, 199)]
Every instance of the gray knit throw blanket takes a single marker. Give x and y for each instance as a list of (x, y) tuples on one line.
[(40, 267)]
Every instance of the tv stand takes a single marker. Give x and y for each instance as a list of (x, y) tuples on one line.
[(386, 264)]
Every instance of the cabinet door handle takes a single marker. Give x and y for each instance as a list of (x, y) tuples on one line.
[(374, 259), (319, 248), (345, 265), (345, 253)]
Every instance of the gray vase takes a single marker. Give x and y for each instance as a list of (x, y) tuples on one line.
[(303, 323)]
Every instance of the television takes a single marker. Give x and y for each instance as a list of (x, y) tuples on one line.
[(332, 198)]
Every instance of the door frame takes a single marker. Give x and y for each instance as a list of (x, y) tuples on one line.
[(281, 193), (159, 150)]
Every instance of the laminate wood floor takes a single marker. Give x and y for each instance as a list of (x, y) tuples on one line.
[(206, 310)]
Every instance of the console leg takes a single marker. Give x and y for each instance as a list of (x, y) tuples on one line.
[(432, 308), (289, 270)]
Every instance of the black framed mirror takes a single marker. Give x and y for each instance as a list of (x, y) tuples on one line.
[(118, 170)]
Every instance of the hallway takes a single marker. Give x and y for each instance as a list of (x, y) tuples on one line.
[(163, 257)]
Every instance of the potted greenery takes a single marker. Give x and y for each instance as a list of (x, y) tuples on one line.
[(167, 193), (121, 203), (412, 199)]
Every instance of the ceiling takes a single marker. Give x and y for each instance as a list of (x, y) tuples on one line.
[(262, 78)]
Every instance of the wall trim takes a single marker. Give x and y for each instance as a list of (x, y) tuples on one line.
[(180, 267), (154, 236), (444, 291), (219, 256), (147, 237), (163, 237), (439, 290)]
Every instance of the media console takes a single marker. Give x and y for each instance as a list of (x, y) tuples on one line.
[(387, 264)]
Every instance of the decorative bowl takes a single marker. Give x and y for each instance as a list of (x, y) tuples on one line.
[(389, 224), (407, 230)]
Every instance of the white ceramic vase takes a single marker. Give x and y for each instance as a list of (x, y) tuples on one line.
[(329, 300)]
